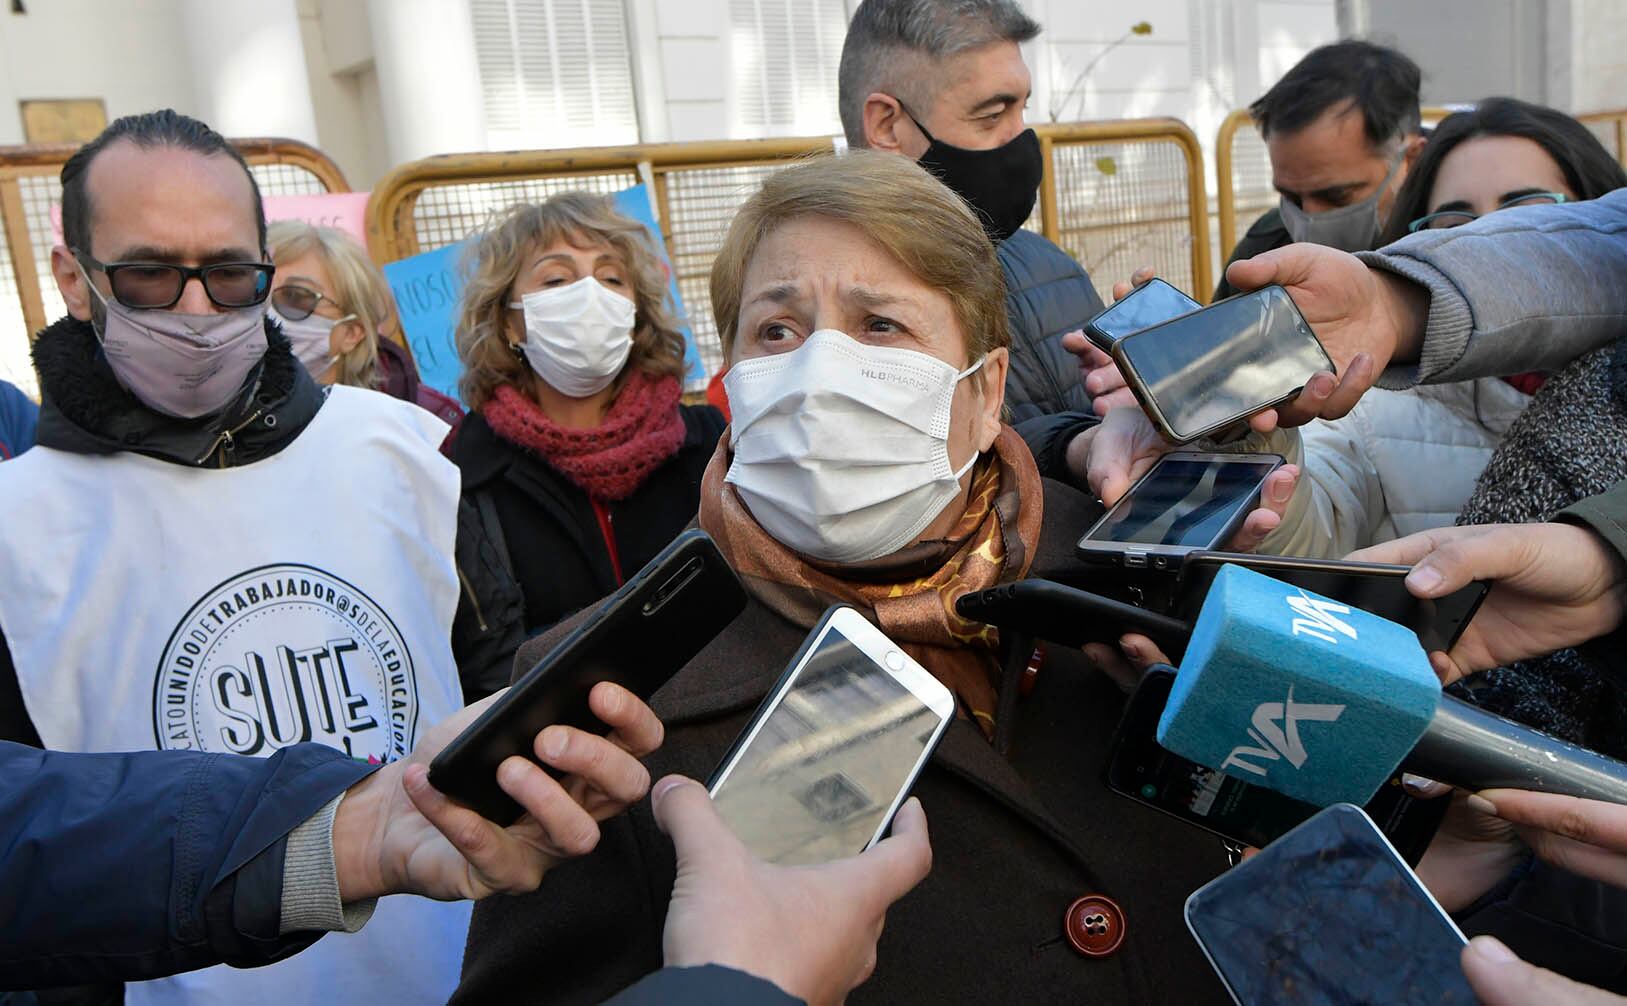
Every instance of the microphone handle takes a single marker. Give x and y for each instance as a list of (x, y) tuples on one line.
[(1473, 749)]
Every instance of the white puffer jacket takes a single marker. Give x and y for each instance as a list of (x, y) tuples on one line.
[(1399, 463)]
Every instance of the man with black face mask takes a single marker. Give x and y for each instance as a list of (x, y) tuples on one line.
[(206, 552), (944, 83)]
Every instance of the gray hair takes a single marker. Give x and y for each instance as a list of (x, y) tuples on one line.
[(889, 40)]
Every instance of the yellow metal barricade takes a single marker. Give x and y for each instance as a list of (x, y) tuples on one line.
[(1123, 194), (1116, 195), (29, 189), (1243, 174), (1611, 129)]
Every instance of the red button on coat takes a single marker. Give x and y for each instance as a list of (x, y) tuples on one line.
[(1094, 925)]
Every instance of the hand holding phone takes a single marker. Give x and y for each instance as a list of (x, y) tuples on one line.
[(1209, 369), (1329, 913), (1149, 304), (833, 750), (1188, 501), (638, 638)]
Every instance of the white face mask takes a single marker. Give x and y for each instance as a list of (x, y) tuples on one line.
[(312, 339), (841, 450), (577, 337)]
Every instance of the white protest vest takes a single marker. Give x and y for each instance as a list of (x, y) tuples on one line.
[(305, 597)]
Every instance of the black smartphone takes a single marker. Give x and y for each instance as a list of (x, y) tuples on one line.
[(1068, 616), (1214, 367), (1244, 813), (1329, 913), (1188, 501), (639, 637), (1149, 304), (833, 750), (1379, 588)]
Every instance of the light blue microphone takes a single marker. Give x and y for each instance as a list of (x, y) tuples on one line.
[(1323, 702)]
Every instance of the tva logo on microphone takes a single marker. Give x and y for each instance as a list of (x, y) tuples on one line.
[(1275, 733), (1287, 689)]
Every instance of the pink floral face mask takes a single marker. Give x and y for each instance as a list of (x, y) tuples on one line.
[(185, 365)]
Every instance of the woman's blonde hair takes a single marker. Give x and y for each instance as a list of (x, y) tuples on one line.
[(358, 288), (906, 211), (495, 263)]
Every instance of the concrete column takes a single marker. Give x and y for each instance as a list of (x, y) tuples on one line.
[(248, 61), (428, 78)]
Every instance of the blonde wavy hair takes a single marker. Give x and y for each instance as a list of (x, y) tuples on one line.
[(494, 264), (898, 205), (358, 288)]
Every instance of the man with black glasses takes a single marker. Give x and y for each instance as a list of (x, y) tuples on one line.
[(206, 552)]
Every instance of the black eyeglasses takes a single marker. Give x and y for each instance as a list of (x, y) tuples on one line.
[(1457, 218), (148, 286), (296, 303)]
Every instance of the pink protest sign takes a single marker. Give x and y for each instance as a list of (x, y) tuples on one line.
[(345, 210)]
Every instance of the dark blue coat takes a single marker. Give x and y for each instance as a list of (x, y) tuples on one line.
[(1047, 296), (134, 866)]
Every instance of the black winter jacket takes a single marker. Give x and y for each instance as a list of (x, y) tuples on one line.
[(530, 551), (1047, 296), (1266, 234)]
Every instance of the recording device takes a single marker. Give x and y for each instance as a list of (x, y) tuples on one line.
[(1187, 502), (832, 752), (1069, 616), (639, 637), (1323, 702), (1379, 588), (1149, 304), (1140, 769), (1329, 913), (1206, 370)]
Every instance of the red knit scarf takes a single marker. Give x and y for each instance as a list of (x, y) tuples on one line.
[(609, 462)]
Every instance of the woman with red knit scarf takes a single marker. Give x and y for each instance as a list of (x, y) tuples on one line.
[(579, 461)]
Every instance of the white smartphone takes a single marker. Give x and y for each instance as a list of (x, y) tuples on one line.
[(832, 752), (1329, 913)]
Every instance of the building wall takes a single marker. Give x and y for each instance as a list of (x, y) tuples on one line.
[(124, 53)]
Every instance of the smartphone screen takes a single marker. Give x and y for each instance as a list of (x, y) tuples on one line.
[(1139, 768), (1373, 587), (821, 770), (1329, 913), (1149, 304), (1185, 501), (1212, 367)]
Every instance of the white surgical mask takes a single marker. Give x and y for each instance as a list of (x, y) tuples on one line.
[(1350, 228), (841, 450), (577, 337), (312, 339)]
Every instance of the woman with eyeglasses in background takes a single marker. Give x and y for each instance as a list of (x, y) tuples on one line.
[(337, 310), (1408, 461)]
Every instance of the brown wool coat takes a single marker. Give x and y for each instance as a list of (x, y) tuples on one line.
[(1015, 840)]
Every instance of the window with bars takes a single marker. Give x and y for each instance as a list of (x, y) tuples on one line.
[(555, 73), (785, 54)]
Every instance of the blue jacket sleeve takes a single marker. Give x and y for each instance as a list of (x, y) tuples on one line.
[(703, 986), (18, 417), (132, 866)]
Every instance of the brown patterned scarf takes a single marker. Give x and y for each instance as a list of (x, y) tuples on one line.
[(910, 594)]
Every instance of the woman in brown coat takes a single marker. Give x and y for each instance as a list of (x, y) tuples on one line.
[(862, 311)]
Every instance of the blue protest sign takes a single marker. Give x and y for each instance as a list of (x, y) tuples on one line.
[(427, 289)]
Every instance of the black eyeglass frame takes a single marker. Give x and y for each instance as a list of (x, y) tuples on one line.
[(187, 273), (320, 297)]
